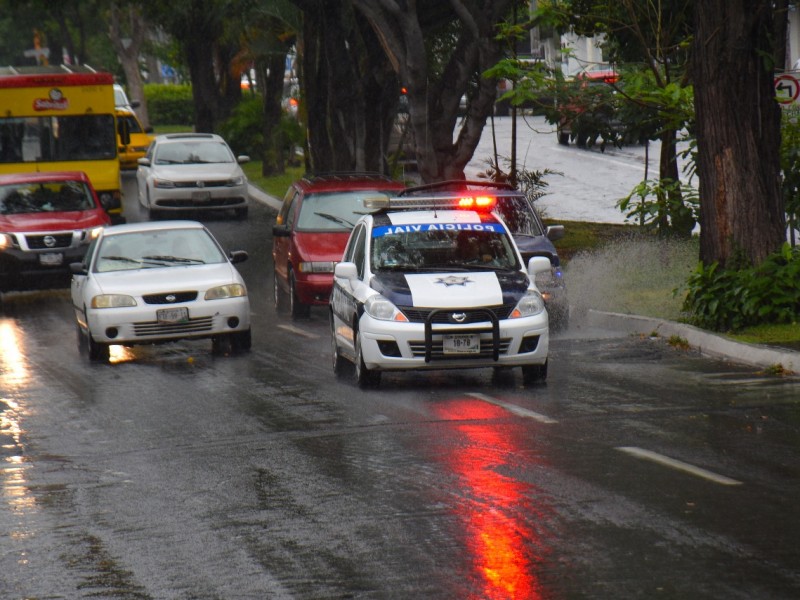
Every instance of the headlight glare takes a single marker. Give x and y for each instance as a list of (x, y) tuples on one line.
[(112, 301), (231, 290)]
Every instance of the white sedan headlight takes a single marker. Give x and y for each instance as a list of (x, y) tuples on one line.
[(234, 181), (112, 301), (380, 308), (163, 183), (531, 304), (231, 290)]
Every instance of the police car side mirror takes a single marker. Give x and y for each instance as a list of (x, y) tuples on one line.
[(345, 270), (538, 264), (555, 232)]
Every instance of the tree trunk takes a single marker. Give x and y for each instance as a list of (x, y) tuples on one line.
[(738, 132), (129, 55), (351, 93), (271, 74), (200, 59)]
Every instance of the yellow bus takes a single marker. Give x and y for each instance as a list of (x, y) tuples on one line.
[(61, 118)]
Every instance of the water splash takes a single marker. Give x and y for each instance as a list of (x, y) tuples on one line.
[(636, 275)]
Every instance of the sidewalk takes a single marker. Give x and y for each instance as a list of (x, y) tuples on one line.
[(708, 344)]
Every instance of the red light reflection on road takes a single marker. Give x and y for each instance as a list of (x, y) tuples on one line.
[(498, 513)]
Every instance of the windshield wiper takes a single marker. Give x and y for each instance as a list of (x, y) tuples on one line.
[(122, 259), (335, 219), (174, 259)]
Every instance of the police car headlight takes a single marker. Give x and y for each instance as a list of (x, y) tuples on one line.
[(531, 304), (5, 241), (380, 308)]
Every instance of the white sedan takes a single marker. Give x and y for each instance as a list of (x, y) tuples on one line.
[(147, 283), (191, 171)]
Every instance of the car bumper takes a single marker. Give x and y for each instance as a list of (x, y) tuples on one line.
[(199, 198), (390, 345), (139, 324), (314, 289), (28, 269)]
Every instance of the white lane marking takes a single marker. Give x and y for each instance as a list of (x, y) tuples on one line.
[(678, 465), (517, 410), (298, 331)]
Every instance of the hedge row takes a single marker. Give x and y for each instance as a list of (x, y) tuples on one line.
[(169, 104)]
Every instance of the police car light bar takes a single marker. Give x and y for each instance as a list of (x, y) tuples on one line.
[(482, 203)]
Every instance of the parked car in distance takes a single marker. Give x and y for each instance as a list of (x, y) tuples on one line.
[(132, 138), (586, 109), (121, 98), (530, 234), (311, 231), (436, 283), (148, 283), (47, 220), (191, 171)]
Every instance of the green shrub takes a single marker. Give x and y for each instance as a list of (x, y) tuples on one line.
[(730, 300), (243, 130), (169, 104)]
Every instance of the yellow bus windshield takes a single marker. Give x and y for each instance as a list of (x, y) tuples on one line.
[(57, 138)]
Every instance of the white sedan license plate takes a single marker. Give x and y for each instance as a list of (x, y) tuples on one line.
[(173, 315), (51, 258), (461, 343), (201, 196)]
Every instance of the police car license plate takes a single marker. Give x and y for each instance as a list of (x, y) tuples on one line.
[(51, 258), (172, 315), (461, 343)]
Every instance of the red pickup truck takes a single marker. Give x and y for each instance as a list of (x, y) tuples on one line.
[(47, 221)]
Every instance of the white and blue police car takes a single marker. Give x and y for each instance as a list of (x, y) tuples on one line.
[(436, 283)]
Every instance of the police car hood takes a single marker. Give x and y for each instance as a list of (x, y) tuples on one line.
[(459, 289)]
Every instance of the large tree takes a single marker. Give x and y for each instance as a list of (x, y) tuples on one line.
[(738, 130), (438, 50), (350, 92)]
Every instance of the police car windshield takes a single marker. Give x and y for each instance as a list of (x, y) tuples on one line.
[(421, 248)]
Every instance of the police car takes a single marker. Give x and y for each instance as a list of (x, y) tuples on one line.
[(436, 283)]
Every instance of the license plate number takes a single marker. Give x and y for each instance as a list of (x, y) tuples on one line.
[(172, 315), (201, 196), (51, 258), (461, 343)]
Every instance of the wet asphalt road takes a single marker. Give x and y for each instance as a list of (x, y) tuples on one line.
[(638, 471)]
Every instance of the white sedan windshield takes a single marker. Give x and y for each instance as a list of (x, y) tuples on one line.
[(156, 249)]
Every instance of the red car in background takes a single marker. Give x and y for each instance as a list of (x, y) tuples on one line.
[(311, 231), (47, 221)]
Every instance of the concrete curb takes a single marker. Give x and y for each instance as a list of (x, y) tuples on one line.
[(709, 344), (260, 196)]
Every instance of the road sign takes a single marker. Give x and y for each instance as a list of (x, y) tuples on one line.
[(787, 88)]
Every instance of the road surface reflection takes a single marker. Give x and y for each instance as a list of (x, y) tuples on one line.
[(506, 521)]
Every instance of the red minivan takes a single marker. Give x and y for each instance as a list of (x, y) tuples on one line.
[(311, 231), (47, 220)]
